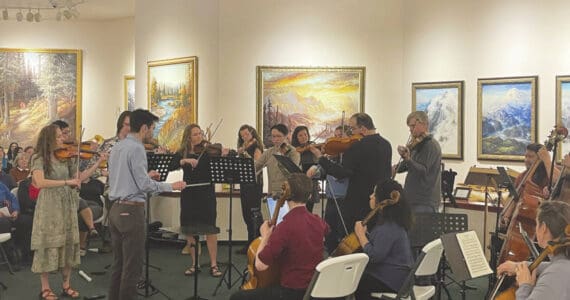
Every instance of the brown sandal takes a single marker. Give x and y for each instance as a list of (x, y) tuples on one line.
[(215, 271), (69, 292), (48, 294)]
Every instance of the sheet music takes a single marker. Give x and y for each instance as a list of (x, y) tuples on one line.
[(473, 253)]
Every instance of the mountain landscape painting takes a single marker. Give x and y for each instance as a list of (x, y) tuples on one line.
[(314, 97), (443, 102), (563, 110), (506, 117)]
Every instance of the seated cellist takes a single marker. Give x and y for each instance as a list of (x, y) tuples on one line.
[(296, 244), (550, 280)]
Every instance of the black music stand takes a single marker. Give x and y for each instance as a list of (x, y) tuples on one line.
[(231, 170), (161, 164)]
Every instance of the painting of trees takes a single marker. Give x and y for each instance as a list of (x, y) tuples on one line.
[(37, 87)]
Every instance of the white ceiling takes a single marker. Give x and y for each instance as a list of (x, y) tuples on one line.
[(91, 10)]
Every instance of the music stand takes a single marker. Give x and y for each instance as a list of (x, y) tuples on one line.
[(231, 170), (161, 164), (287, 163)]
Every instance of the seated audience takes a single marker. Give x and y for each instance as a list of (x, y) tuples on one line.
[(9, 209), (387, 245), (21, 168), (27, 196)]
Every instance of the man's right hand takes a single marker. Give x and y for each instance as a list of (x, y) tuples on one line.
[(178, 185)]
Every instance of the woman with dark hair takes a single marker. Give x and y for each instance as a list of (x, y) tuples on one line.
[(11, 154), (387, 244), (250, 145), (549, 280), (301, 139)]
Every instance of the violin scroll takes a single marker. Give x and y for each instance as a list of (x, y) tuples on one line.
[(558, 134)]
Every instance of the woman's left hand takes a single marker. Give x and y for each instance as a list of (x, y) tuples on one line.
[(524, 275)]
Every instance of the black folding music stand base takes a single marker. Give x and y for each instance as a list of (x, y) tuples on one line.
[(161, 164), (231, 170)]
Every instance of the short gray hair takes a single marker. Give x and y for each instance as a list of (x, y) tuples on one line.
[(420, 116)]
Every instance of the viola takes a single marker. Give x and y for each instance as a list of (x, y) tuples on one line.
[(260, 279), (335, 145), (350, 243)]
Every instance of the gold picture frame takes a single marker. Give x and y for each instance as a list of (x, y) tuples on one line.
[(129, 92), (562, 110), (444, 100), (506, 117), (43, 85), (312, 96), (172, 96)]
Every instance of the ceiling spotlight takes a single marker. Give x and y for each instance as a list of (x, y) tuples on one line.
[(58, 15), (5, 14), (19, 16), (30, 16), (37, 16)]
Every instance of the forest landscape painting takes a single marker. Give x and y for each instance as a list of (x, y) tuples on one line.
[(172, 85), (37, 87), (443, 102), (563, 110), (506, 117), (312, 96)]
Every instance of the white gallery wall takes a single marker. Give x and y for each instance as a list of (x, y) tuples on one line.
[(467, 40), (108, 55)]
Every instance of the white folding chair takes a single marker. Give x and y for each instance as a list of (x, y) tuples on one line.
[(103, 209), (4, 237), (337, 276), (426, 264)]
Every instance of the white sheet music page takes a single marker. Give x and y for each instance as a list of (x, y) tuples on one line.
[(473, 254)]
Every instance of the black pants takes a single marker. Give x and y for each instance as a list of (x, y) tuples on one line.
[(368, 285), (274, 293), (332, 218), (250, 195), (23, 234)]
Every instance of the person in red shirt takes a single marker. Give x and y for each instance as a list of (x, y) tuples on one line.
[(295, 244)]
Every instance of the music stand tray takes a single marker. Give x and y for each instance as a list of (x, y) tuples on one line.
[(287, 163), (231, 170)]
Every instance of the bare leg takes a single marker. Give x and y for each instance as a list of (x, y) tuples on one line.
[(190, 241), (87, 216), (82, 240), (45, 281), (66, 276), (212, 242)]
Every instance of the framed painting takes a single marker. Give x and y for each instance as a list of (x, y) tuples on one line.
[(563, 111), (129, 87), (317, 97), (172, 92), (37, 87), (443, 103), (506, 117)]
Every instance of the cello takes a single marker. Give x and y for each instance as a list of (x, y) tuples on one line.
[(350, 243), (260, 279)]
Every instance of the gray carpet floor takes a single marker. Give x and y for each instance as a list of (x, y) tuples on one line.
[(169, 279)]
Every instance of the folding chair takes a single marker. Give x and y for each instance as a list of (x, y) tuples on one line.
[(4, 237), (426, 264), (337, 276)]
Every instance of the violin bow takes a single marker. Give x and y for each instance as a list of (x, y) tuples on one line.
[(211, 136)]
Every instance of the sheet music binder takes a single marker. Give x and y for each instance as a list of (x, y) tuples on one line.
[(455, 257), (159, 162)]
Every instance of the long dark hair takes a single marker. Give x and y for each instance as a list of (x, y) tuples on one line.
[(399, 213), (12, 154), (46, 145), (254, 134), (295, 139)]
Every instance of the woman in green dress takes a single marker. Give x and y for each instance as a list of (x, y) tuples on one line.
[(55, 233)]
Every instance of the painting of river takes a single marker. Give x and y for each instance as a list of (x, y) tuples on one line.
[(314, 97), (563, 110), (172, 87), (443, 102), (37, 87), (506, 117)]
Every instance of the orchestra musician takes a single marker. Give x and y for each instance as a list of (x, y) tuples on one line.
[(366, 162), (198, 203), (123, 129), (129, 184), (549, 280), (387, 245), (276, 174), (297, 249), (250, 145), (300, 139), (423, 164)]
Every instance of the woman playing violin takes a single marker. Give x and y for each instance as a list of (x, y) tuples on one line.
[(197, 203), (387, 244), (551, 280), (55, 235), (301, 140), (249, 145)]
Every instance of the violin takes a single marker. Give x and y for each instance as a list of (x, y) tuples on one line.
[(350, 243), (307, 147), (260, 279), (71, 151), (208, 148), (334, 146)]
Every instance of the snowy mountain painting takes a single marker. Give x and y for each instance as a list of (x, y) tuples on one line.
[(564, 110), (442, 102), (507, 118)]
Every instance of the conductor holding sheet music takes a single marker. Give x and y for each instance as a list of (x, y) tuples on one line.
[(129, 183)]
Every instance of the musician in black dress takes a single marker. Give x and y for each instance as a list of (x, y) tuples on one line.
[(197, 203), (250, 145), (301, 139)]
